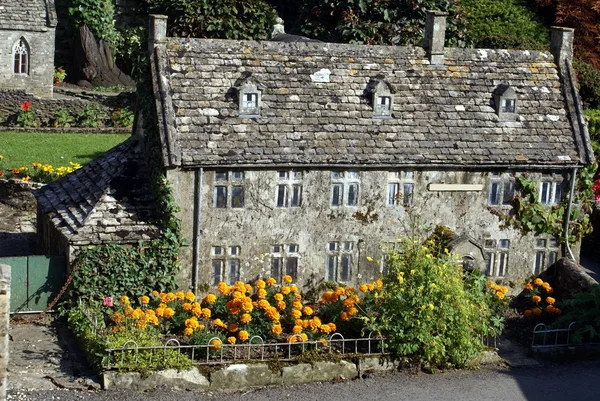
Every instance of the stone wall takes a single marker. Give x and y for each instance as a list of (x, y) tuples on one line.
[(73, 101), (369, 227), (41, 70)]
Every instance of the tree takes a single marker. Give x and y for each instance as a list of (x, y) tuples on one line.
[(376, 22), (219, 19), (504, 24)]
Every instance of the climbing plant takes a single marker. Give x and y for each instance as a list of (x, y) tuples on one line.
[(530, 215), (114, 269)]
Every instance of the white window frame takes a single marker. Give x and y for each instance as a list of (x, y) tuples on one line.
[(339, 264), (232, 182), (288, 192), (400, 180), (287, 259), (227, 260), (549, 192), (546, 253), (249, 100), (497, 253), (21, 55), (501, 190), (344, 182)]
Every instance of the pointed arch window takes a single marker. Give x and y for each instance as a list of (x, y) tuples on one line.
[(21, 57)]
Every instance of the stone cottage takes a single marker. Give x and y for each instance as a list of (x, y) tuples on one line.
[(307, 158), (27, 45)]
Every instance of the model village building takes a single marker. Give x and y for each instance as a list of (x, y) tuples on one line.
[(305, 158), (27, 30)]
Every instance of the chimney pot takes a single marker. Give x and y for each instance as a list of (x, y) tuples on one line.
[(157, 31), (435, 34), (561, 44)]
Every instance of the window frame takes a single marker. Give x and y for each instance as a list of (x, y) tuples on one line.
[(229, 189), (546, 253), (225, 257), (21, 54), (400, 180), (249, 88), (501, 181), (340, 261), (553, 194), (284, 257), (344, 181), (290, 182), (497, 254)]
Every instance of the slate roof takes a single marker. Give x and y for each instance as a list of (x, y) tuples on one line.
[(104, 201), (442, 115), (27, 15)]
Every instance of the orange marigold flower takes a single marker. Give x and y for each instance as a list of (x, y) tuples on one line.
[(285, 290), (219, 323), (352, 311), (529, 286), (206, 313), (325, 328), (190, 296), (243, 335), (538, 281), (296, 314), (363, 288), (297, 329), (237, 294), (276, 329), (281, 305), (248, 288), (379, 285), (537, 311), (170, 296), (188, 331), (26, 178), (117, 318), (233, 327), (557, 311), (14, 170), (294, 289), (287, 279), (549, 308), (215, 344), (499, 295), (536, 299), (344, 316), (278, 297), (297, 305), (231, 340), (180, 296), (371, 287), (261, 293), (260, 284), (245, 318), (271, 281), (223, 288), (154, 293), (209, 298), (145, 299), (247, 305), (349, 291), (160, 312), (263, 304), (124, 299), (168, 313), (339, 291), (332, 326), (187, 306), (307, 311), (191, 323), (550, 300), (348, 303), (304, 336)]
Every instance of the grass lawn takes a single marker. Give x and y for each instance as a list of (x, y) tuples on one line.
[(22, 149)]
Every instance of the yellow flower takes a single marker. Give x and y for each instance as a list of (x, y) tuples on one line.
[(296, 314), (363, 288), (352, 311), (190, 297), (304, 336), (206, 313), (188, 331), (307, 311), (180, 296), (550, 300), (168, 313), (187, 306), (294, 289), (154, 293), (536, 299), (209, 298), (297, 329), (412, 272), (278, 297), (538, 281), (431, 306), (285, 290), (344, 316), (271, 281), (145, 300), (124, 299), (1, 157), (276, 329), (245, 318), (243, 335), (281, 305), (223, 288), (26, 178), (261, 293), (215, 344), (287, 279), (369, 259), (231, 340), (499, 295), (260, 284)]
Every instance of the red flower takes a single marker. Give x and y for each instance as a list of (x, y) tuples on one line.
[(1, 173), (14, 171), (25, 106), (596, 189)]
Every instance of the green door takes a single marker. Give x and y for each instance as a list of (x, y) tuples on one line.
[(35, 281)]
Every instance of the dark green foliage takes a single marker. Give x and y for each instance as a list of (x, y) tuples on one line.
[(91, 116), (219, 19), (593, 122), (584, 310), (98, 15), (589, 83), (509, 24), (377, 22)]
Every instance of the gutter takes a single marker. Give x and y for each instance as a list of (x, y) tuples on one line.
[(198, 182), (568, 218)]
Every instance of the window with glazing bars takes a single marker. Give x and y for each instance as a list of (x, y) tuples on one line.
[(289, 189), (228, 189), (284, 261), (496, 252), (339, 261), (400, 188), (225, 264), (344, 188)]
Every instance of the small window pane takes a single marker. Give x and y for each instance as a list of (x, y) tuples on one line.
[(330, 273), (217, 251), (540, 243), (352, 195), (552, 256), (545, 193), (408, 195), (508, 105), (296, 196), (509, 192), (347, 246), (557, 192), (540, 260), (336, 195), (296, 175), (494, 198), (504, 244), (333, 246), (490, 243), (337, 174), (276, 269), (277, 248), (221, 176), (237, 197), (490, 263), (408, 175), (282, 175), (220, 197), (293, 248), (281, 196), (393, 194), (217, 271), (553, 243), (234, 251), (233, 273), (503, 262), (353, 175), (237, 175), (291, 268), (346, 268)]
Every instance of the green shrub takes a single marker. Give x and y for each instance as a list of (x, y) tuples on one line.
[(589, 83), (62, 119), (584, 310), (122, 117), (431, 313), (504, 24), (91, 116)]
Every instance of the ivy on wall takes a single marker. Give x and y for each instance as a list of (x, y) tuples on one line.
[(113, 269), (530, 215)]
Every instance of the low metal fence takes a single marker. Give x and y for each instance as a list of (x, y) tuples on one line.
[(255, 350), (544, 338)]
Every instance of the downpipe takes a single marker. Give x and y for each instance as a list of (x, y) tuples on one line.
[(199, 180), (569, 206)]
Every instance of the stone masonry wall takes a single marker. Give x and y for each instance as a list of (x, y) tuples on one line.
[(41, 70), (369, 227)]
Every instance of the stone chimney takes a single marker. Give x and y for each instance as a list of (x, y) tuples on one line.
[(435, 33), (561, 44), (157, 31)]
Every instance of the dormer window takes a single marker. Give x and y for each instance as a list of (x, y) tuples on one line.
[(248, 96), (505, 98), (381, 93)]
